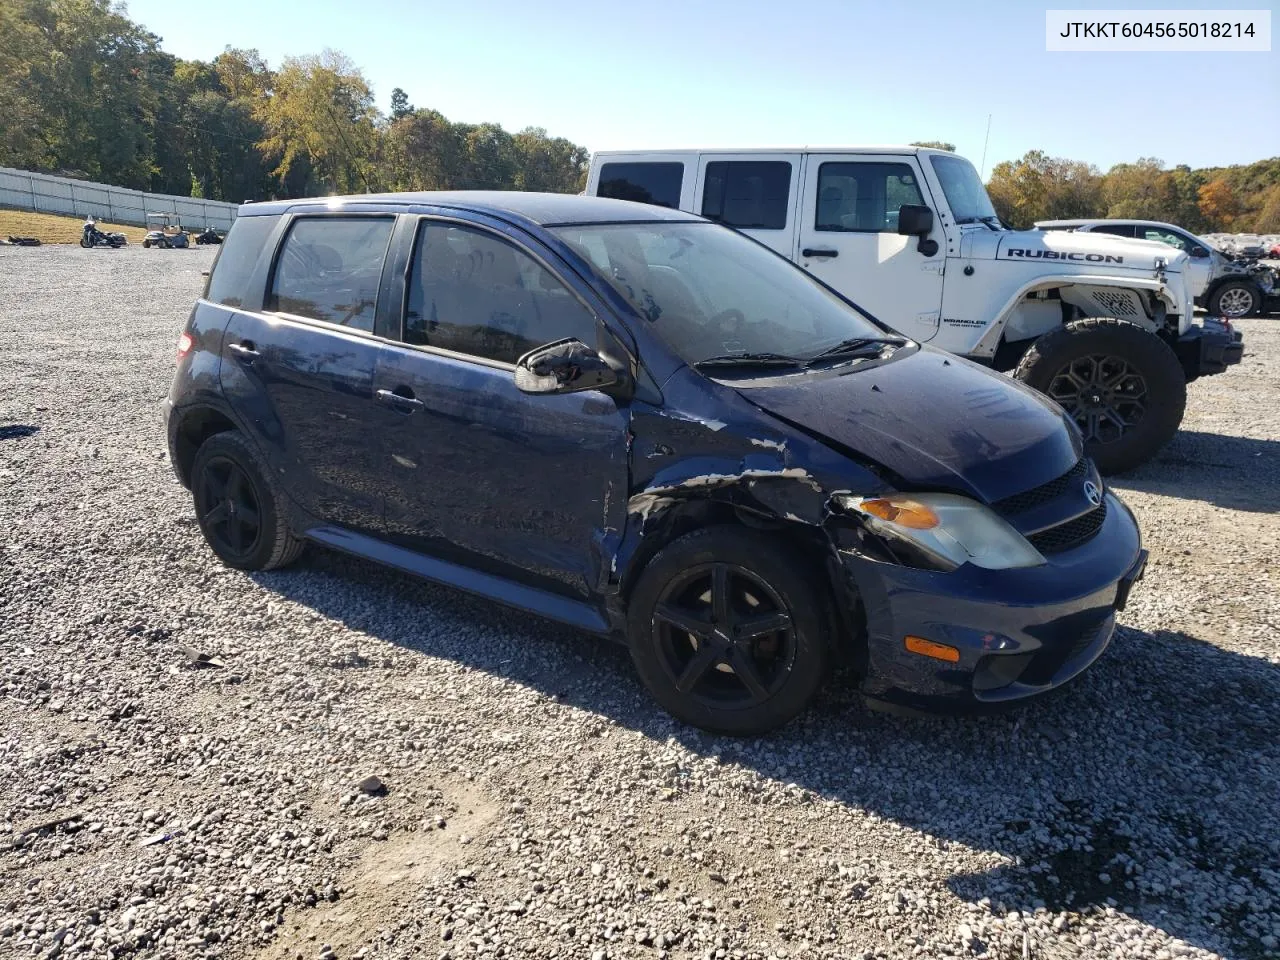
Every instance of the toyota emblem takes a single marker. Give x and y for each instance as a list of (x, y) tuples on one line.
[(1092, 492)]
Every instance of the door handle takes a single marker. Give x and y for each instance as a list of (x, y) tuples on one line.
[(245, 350), (812, 252), (399, 401)]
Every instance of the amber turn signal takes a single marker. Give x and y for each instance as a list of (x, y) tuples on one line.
[(927, 648), (903, 511)]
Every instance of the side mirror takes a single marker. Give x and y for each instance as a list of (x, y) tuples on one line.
[(566, 366), (916, 220), (1198, 253)]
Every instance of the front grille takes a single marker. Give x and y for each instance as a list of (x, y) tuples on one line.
[(1072, 533), (1022, 502)]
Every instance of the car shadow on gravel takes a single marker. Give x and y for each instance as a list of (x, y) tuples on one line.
[(17, 431), (1149, 787), (1239, 473)]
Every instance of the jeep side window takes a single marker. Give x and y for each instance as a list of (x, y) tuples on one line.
[(750, 195), (237, 258), (864, 197), (329, 268), (657, 183), (471, 292)]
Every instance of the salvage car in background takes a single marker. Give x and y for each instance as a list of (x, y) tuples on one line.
[(908, 233), (1225, 284), (635, 422)]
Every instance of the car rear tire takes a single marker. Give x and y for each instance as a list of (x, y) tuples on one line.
[(239, 506), (728, 632), (1123, 386), (1235, 299)]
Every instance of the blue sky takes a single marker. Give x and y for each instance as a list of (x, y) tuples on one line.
[(658, 73)]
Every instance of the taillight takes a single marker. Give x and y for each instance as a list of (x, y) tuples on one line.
[(184, 345)]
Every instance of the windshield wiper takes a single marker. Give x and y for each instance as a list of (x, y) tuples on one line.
[(855, 345), (763, 359), (997, 225)]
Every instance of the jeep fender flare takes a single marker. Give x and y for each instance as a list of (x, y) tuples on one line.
[(986, 346)]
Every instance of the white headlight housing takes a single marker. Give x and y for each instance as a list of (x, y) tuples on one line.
[(950, 529)]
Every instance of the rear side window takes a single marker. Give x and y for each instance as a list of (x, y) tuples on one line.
[(657, 183), (472, 292), (330, 269), (864, 197), (237, 258), (747, 194)]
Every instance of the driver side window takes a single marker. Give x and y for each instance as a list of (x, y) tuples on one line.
[(864, 197), (472, 292)]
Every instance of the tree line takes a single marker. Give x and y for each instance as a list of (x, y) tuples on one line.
[(1240, 199), (86, 92)]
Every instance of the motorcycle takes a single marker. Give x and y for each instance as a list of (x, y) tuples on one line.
[(91, 236), (210, 235)]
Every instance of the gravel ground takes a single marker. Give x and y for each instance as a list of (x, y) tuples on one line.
[(530, 800)]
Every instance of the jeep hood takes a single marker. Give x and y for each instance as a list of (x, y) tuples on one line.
[(1094, 252), (936, 421)]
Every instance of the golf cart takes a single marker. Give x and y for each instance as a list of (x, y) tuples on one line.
[(165, 230)]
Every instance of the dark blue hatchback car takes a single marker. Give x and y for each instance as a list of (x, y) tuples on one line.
[(650, 427)]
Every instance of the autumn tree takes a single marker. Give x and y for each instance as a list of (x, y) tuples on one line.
[(1040, 187), (1219, 203), (321, 109), (935, 144)]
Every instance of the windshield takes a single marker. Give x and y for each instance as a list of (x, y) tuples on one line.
[(713, 293), (965, 193)]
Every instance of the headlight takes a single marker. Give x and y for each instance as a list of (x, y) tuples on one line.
[(949, 529)]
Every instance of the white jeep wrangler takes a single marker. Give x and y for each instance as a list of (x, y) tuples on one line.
[(1101, 324)]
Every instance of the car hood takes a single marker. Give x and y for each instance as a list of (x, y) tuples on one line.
[(1100, 251), (936, 421)]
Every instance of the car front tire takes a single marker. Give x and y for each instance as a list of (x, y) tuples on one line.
[(727, 631), (1235, 299), (239, 507)]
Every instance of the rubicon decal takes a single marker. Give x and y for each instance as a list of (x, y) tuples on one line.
[(1018, 253)]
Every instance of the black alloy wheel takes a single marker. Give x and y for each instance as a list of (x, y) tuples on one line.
[(229, 508), (725, 637), (1105, 395)]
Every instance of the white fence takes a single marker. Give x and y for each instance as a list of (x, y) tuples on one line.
[(42, 193)]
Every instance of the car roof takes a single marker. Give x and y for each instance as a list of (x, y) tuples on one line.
[(543, 209), (875, 148), (1083, 221)]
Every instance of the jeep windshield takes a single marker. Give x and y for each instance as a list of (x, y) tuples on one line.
[(966, 196), (721, 300)]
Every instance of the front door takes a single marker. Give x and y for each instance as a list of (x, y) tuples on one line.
[(299, 374), (848, 238), (525, 486)]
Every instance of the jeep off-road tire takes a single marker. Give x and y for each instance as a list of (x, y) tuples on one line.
[(231, 484), (729, 632), (1235, 299), (1123, 386)]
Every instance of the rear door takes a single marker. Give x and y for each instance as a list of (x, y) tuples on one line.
[(530, 487), (298, 369), (753, 193), (848, 238)]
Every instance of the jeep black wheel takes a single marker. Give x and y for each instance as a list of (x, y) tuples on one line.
[(1235, 299), (727, 632), (238, 507), (1123, 386)]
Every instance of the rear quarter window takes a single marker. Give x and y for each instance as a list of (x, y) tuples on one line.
[(237, 258), (656, 183)]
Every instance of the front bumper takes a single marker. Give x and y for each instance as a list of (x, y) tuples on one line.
[(1020, 633), (1209, 348)]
